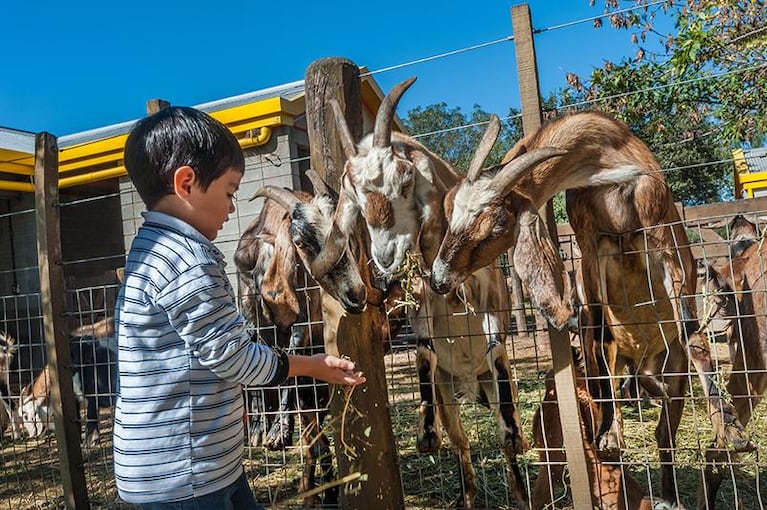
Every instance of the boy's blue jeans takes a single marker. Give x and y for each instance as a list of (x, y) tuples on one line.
[(237, 496)]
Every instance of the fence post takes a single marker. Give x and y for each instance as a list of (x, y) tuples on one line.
[(52, 292), (364, 440), (564, 373)]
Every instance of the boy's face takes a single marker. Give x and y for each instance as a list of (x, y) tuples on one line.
[(212, 207)]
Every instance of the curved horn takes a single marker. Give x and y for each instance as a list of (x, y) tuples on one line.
[(320, 188), (517, 168), (344, 135), (382, 130), (280, 195), (485, 146), (336, 240)]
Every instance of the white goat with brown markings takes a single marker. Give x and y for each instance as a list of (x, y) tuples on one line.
[(622, 212), (398, 186)]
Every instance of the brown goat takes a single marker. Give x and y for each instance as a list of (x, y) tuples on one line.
[(275, 289), (611, 487), (619, 208), (739, 291)]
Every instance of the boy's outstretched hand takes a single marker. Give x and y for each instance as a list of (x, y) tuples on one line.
[(325, 367)]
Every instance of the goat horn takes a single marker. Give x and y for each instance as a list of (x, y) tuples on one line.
[(320, 188), (344, 135), (485, 146), (382, 130), (335, 242), (280, 195), (514, 170)]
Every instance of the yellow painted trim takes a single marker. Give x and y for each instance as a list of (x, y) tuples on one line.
[(263, 137), (17, 186), (739, 159), (257, 118), (114, 144), (101, 175), (754, 177), (17, 168)]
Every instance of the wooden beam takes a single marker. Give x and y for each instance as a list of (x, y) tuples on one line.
[(155, 105), (364, 440), (56, 335), (564, 372)]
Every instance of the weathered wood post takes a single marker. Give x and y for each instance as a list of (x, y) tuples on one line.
[(52, 292), (364, 441), (564, 372)]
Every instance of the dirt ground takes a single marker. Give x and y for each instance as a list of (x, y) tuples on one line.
[(30, 476)]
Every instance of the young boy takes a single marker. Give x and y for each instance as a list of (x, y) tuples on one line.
[(184, 352)]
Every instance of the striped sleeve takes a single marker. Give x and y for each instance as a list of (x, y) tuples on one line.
[(201, 309)]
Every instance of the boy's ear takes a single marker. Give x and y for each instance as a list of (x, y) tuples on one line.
[(183, 180)]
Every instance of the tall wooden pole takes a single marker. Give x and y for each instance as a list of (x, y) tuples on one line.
[(52, 290), (564, 372), (364, 441)]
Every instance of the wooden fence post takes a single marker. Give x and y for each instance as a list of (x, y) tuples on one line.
[(52, 291), (564, 373), (364, 440)]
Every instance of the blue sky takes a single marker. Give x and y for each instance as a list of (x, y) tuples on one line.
[(80, 65)]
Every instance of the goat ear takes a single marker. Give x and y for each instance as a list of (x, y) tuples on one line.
[(538, 265)]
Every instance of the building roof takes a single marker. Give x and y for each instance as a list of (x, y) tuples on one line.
[(756, 159), (96, 154)]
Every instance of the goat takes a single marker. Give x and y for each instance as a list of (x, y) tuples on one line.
[(94, 360), (742, 231), (615, 192), (35, 405), (397, 185), (95, 374), (9, 410), (739, 292), (269, 293), (611, 487), (299, 227)]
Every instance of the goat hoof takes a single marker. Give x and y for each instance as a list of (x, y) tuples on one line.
[(428, 442), (462, 501), (279, 437), (608, 447), (738, 438)]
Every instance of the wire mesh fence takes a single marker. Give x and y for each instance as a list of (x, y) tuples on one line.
[(283, 427)]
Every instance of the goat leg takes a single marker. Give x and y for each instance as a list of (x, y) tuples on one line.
[(723, 415), (717, 465), (428, 439), (280, 435)]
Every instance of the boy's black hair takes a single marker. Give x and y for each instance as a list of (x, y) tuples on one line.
[(174, 137)]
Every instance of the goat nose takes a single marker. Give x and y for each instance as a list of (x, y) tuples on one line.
[(385, 258), (439, 286), (355, 300)]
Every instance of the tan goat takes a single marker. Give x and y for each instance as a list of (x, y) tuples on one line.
[(739, 290), (619, 208), (398, 185), (35, 405)]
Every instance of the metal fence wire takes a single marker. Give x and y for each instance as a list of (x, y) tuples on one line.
[(290, 434)]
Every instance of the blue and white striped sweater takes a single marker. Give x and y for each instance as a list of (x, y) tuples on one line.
[(184, 354)]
